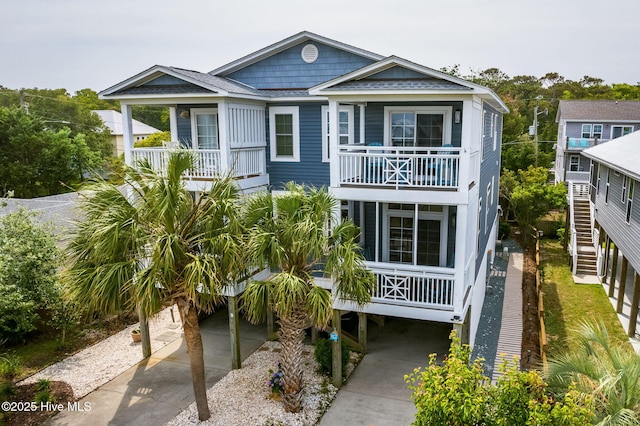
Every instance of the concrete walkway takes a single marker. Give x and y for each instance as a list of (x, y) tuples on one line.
[(159, 388)]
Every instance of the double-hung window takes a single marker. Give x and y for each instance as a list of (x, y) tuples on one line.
[(284, 134), (586, 131), (204, 128), (574, 163), (345, 128), (597, 131)]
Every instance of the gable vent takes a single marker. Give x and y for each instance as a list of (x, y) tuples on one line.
[(310, 53)]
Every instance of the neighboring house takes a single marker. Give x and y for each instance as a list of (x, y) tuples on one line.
[(113, 120), (583, 124), (412, 154), (614, 189)]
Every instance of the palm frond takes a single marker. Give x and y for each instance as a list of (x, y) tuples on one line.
[(255, 300), (319, 306)]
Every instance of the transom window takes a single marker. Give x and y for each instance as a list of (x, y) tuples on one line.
[(345, 128), (284, 130), (418, 126), (204, 128)]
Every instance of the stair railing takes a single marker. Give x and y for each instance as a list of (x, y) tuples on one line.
[(573, 236)]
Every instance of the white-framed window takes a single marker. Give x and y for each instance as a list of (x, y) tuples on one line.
[(625, 185), (478, 227), (486, 216), (284, 133), (415, 234), (597, 131), (422, 126), (630, 201), (586, 131), (204, 128), (606, 191), (574, 163), (617, 131), (345, 128)]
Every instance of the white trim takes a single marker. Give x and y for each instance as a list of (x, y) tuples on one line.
[(325, 129), (446, 111), (193, 112), (295, 118)]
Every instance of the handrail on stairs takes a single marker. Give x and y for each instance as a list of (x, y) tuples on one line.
[(573, 247)]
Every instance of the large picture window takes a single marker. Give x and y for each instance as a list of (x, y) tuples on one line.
[(617, 131), (417, 126), (284, 132)]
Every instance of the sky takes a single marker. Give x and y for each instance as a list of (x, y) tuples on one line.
[(77, 44)]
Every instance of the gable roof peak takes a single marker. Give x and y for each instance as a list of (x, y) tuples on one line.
[(288, 42)]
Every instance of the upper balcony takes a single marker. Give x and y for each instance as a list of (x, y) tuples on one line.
[(394, 167), (578, 144)]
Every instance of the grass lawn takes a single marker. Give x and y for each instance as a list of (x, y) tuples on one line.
[(567, 304)]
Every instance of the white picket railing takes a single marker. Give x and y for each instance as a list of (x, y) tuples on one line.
[(408, 285), (399, 167), (243, 162)]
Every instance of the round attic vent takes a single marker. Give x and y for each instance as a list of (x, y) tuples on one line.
[(309, 53)]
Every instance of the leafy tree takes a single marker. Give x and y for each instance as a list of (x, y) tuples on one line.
[(529, 197), (604, 369), (456, 392), (298, 234), (28, 265), (155, 139), (158, 246), (520, 154), (154, 116), (36, 160)]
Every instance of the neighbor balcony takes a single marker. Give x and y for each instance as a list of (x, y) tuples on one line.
[(399, 167)]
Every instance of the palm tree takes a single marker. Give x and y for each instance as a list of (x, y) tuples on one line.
[(297, 234), (610, 372), (154, 244)]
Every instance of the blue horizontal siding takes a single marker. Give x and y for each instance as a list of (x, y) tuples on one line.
[(396, 73), (167, 80), (310, 170), (184, 124), (287, 69)]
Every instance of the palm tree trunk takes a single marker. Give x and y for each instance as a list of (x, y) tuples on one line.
[(193, 339), (291, 338)]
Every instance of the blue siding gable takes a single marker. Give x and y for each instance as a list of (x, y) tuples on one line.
[(167, 80), (287, 69), (396, 73)]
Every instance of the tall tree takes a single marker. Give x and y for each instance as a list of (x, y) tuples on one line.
[(298, 234), (158, 246)]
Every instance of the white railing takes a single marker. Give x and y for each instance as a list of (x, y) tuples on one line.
[(577, 176), (208, 165), (399, 167), (408, 285), (573, 243)]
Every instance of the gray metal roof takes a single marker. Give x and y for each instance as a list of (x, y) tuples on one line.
[(214, 82), (399, 84), (599, 110), (622, 154)]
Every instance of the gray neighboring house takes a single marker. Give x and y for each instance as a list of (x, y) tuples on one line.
[(584, 124), (615, 173)]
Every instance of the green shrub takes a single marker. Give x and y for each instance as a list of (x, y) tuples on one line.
[(7, 390), (10, 366), (504, 230), (44, 396), (323, 353), (560, 233), (153, 140), (43, 384)]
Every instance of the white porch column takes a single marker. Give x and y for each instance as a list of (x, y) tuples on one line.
[(362, 121), (470, 143), (462, 213), (223, 135), (127, 133), (173, 123), (334, 164)]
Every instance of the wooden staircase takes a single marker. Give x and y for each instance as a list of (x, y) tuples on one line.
[(587, 259)]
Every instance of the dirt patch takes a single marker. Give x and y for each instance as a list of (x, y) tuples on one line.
[(25, 413), (530, 357)]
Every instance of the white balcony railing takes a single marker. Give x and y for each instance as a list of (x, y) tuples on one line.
[(582, 177), (399, 167), (244, 162), (408, 285)]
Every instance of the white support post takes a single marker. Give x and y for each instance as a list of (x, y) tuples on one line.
[(471, 140), (334, 165), (223, 135), (127, 133), (173, 123), (362, 123), (461, 255), (377, 231)]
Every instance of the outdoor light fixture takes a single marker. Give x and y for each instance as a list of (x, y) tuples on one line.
[(456, 116), (184, 113)]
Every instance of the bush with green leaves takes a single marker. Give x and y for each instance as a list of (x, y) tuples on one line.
[(29, 259), (153, 140), (324, 355), (456, 392)]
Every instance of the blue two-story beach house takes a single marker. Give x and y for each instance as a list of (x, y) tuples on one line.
[(413, 155)]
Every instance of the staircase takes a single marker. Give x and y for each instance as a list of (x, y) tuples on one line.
[(586, 264)]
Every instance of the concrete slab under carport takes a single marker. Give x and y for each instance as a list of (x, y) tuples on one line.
[(376, 393), (160, 387)]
